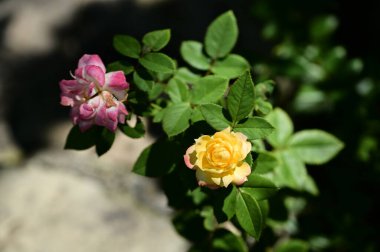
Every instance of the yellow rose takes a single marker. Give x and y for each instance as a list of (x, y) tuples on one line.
[(219, 159)]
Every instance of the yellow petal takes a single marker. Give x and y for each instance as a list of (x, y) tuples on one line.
[(240, 174), (227, 180), (204, 179)]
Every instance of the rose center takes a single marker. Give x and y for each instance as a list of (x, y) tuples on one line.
[(108, 98), (221, 155)]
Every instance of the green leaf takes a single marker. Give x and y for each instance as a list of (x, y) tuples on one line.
[(157, 113), (189, 224), (157, 159), (249, 214), (229, 203), (263, 107), (241, 97), (224, 240), (249, 159), (104, 141), (191, 52), (158, 62), (133, 132), (156, 91), (213, 114), (264, 207), (255, 128), (156, 40), (198, 195), (231, 67), (310, 186), (143, 82), (177, 90), (291, 171), (209, 89), (283, 128), (127, 46), (221, 35), (185, 75), (176, 118), (265, 88), (292, 245), (78, 140), (209, 221), (259, 187), (315, 146), (196, 115), (265, 163), (120, 65)]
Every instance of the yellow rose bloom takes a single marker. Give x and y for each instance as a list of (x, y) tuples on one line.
[(219, 159)]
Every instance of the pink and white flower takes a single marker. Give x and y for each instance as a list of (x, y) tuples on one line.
[(96, 97)]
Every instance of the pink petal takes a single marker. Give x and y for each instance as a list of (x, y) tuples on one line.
[(122, 109), (67, 101), (116, 83), (94, 74), (122, 112), (91, 60), (86, 111), (188, 157), (121, 118), (74, 114), (101, 115), (85, 125), (70, 87), (112, 113), (111, 125)]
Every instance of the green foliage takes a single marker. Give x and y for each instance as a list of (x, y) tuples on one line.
[(213, 114), (133, 132), (221, 35), (154, 162), (231, 67), (156, 40), (249, 214), (177, 90), (224, 240), (142, 83), (293, 245), (265, 163), (78, 140), (241, 98), (176, 118), (218, 94), (315, 146), (208, 89), (283, 125), (121, 65), (255, 128), (99, 137), (158, 62), (259, 187), (192, 53), (127, 46), (104, 141)]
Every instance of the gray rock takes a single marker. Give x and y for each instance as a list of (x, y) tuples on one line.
[(53, 210)]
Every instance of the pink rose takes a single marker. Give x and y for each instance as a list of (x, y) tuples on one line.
[(96, 97)]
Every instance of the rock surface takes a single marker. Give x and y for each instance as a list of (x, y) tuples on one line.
[(72, 201)]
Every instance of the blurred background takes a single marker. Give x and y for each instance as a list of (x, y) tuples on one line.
[(323, 55)]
